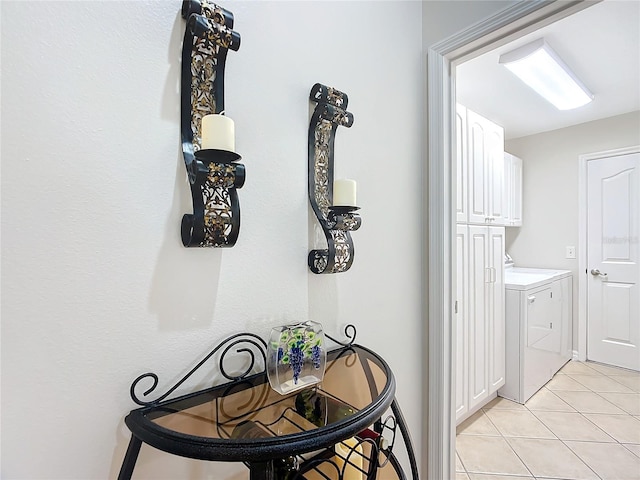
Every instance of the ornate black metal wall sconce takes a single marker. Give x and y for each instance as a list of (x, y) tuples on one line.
[(337, 218), (208, 149)]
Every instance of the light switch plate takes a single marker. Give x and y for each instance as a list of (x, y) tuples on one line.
[(571, 252)]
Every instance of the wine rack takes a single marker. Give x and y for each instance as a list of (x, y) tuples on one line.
[(371, 451)]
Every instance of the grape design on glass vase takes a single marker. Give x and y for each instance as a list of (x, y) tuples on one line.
[(296, 357)]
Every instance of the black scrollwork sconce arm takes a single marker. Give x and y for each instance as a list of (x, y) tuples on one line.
[(336, 221), (214, 176)]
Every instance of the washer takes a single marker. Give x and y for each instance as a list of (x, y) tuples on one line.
[(538, 316)]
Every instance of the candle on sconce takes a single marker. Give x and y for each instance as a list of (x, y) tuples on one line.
[(218, 133), (344, 193), (353, 467)]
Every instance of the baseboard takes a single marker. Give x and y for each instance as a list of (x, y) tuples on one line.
[(575, 356), (477, 408)]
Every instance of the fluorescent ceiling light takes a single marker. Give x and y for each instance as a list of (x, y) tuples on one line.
[(537, 65)]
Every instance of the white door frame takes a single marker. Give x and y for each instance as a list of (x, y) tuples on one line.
[(438, 445), (581, 352)]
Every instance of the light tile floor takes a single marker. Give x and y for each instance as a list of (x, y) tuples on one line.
[(583, 425)]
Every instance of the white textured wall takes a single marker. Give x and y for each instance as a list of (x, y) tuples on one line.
[(550, 191), (96, 286), (444, 18)]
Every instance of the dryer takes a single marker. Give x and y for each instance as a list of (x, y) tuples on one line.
[(538, 316)]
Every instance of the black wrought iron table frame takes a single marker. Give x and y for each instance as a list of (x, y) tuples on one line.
[(262, 455)]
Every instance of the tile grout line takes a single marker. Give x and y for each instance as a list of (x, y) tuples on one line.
[(554, 434), (570, 449), (626, 413), (582, 414), (508, 443), (634, 453), (500, 435), (579, 413), (460, 458), (632, 372), (554, 394), (630, 392), (561, 441), (589, 389)]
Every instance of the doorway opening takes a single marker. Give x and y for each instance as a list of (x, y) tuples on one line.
[(512, 23)]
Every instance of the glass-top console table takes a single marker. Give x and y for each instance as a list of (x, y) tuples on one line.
[(340, 429)]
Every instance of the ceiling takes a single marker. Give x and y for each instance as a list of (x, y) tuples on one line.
[(601, 44)]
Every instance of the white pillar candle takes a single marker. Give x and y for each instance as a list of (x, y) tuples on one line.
[(218, 132), (343, 449), (344, 193)]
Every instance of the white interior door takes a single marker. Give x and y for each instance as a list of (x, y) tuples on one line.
[(613, 263)]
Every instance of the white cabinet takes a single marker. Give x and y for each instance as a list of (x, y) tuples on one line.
[(485, 178), (480, 207), (513, 190), (480, 329)]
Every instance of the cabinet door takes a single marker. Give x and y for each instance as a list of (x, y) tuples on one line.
[(478, 168), (461, 324), (508, 187), (496, 317), (485, 148), (516, 192), (461, 164), (479, 276), (494, 144), (513, 190)]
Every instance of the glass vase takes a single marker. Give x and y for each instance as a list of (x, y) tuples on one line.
[(296, 356)]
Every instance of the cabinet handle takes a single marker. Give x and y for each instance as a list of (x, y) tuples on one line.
[(490, 275), (531, 299)]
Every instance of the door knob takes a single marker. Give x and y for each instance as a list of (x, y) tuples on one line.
[(596, 273)]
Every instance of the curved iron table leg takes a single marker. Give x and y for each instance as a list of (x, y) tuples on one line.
[(130, 458), (395, 408), (261, 471)]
